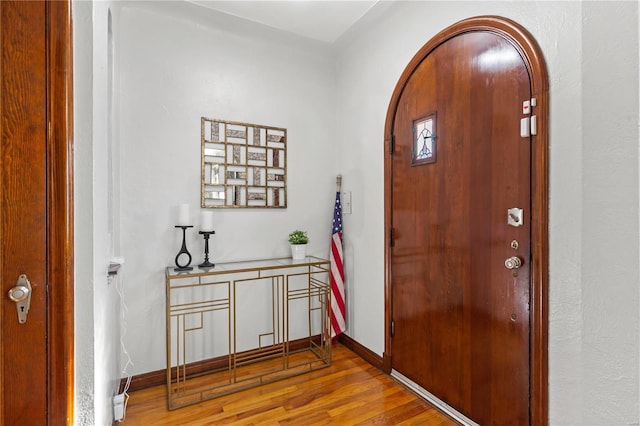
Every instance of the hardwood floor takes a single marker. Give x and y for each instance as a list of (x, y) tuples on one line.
[(349, 392)]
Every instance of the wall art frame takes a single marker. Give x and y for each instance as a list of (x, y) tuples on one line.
[(243, 165)]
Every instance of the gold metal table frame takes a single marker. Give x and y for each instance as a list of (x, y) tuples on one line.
[(208, 311)]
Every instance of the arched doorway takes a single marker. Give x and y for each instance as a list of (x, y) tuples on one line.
[(466, 199)]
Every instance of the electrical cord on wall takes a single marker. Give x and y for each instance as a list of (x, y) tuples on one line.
[(123, 328)]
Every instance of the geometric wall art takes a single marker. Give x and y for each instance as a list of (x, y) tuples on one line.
[(243, 165)]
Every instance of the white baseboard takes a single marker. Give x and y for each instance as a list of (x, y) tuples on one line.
[(443, 406)]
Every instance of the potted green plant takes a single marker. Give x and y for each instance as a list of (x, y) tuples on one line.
[(298, 240)]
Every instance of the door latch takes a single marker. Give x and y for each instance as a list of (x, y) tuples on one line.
[(21, 294)]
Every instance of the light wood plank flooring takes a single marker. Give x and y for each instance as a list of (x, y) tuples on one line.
[(349, 392)]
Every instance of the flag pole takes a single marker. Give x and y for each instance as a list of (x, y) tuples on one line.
[(336, 273)]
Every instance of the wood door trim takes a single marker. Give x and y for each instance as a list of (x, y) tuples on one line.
[(60, 249), (531, 53)]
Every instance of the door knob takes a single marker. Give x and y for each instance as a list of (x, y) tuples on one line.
[(21, 294), (513, 262)]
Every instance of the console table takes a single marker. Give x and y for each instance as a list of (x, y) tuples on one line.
[(242, 324)]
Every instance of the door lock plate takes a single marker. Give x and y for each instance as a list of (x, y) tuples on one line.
[(515, 217), (21, 294)]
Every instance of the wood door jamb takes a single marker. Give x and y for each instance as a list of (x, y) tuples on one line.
[(60, 248)]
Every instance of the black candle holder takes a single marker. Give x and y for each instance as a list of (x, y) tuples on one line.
[(206, 263), (183, 250)]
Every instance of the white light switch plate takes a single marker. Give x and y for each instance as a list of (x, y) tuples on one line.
[(346, 202)]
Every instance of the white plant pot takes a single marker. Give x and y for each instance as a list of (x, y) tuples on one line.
[(298, 251)]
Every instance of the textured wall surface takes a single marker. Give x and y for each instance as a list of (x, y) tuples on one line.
[(175, 63), (83, 244), (97, 307), (610, 212)]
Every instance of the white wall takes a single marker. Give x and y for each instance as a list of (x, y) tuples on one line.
[(97, 309), (177, 62), (610, 211), (106, 299), (83, 221), (591, 51)]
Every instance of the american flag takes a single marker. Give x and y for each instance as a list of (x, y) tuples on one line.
[(337, 272)]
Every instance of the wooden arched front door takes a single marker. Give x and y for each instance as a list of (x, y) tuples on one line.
[(466, 213)]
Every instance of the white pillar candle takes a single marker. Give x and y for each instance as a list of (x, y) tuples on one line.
[(206, 224), (184, 215)]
